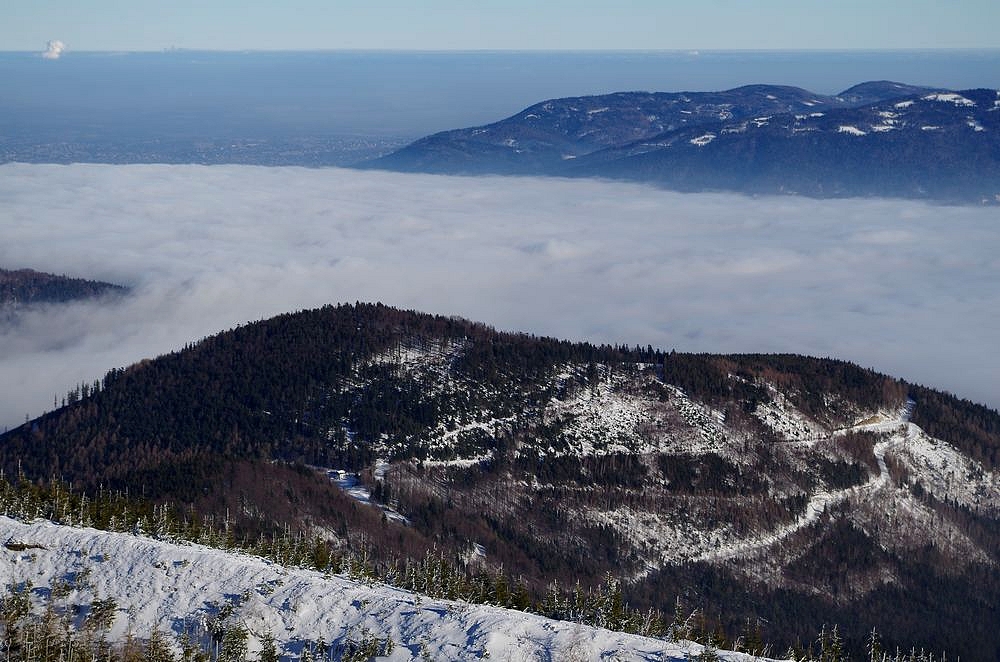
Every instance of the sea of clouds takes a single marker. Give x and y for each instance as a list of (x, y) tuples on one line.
[(911, 289)]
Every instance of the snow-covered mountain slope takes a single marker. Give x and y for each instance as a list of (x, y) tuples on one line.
[(851, 493), (875, 139), (179, 588)]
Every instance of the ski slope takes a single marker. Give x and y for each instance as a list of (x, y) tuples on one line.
[(175, 587)]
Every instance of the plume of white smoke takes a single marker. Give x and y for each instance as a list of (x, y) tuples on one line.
[(53, 49)]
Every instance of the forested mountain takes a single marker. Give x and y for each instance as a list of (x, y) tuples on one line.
[(790, 491), (874, 139), (24, 287)]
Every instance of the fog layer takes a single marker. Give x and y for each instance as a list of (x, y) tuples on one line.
[(908, 288)]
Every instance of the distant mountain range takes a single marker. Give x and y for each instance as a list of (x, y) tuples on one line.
[(793, 490), (875, 139)]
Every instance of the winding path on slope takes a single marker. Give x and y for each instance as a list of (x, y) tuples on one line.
[(900, 431)]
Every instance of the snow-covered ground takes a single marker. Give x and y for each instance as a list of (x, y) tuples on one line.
[(357, 490), (785, 420), (168, 586)]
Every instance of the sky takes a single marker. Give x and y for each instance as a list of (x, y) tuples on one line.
[(117, 25), (909, 288)]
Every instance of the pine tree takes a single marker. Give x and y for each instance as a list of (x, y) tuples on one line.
[(157, 650), (268, 650), (875, 653), (234, 644)]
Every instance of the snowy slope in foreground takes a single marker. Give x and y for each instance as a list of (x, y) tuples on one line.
[(164, 585)]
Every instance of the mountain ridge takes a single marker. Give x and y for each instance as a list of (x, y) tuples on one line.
[(25, 287), (916, 142), (759, 485)]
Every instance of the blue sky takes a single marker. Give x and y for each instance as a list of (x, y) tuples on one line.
[(26, 25)]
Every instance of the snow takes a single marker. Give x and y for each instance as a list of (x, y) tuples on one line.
[(355, 489), (904, 104), (820, 501), (929, 127), (974, 125), (785, 420), (701, 141), (851, 130), (950, 97), (157, 584), (948, 474), (888, 121), (664, 538), (595, 111), (603, 419), (430, 365)]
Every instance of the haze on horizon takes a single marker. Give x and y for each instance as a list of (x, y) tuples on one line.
[(104, 25)]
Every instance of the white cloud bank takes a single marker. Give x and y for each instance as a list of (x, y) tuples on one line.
[(909, 288)]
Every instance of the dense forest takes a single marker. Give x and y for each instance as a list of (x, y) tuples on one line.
[(24, 287), (489, 441)]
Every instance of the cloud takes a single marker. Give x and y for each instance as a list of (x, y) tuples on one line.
[(53, 49), (908, 288)]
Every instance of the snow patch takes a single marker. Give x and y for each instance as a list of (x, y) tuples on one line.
[(851, 130), (785, 420), (946, 473), (354, 488), (701, 141), (950, 97), (903, 104)]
